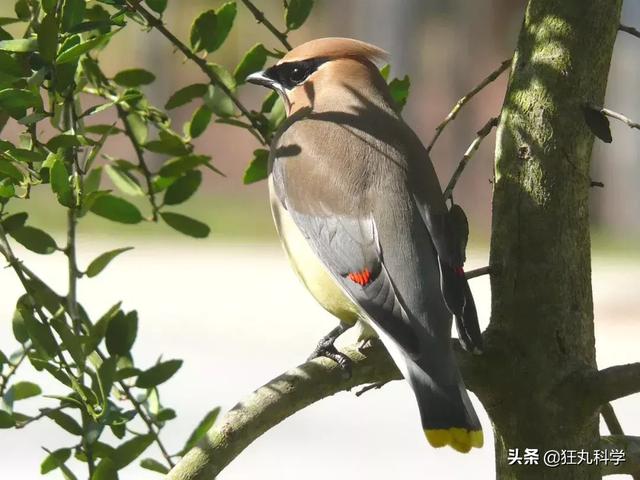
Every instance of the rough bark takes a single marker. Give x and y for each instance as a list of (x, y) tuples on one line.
[(540, 342)]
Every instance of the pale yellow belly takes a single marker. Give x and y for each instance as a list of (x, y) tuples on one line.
[(309, 268)]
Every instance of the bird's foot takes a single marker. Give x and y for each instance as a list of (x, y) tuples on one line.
[(367, 343), (328, 350)]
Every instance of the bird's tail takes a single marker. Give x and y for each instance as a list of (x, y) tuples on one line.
[(448, 417)]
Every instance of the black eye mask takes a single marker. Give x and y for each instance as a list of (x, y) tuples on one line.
[(290, 74)]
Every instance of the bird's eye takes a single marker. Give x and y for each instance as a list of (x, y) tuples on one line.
[(298, 74)]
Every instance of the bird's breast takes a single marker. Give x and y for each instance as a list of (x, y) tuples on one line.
[(308, 266)]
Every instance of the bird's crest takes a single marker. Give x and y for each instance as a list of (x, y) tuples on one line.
[(335, 47)]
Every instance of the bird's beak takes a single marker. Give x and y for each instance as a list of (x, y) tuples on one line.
[(259, 78)]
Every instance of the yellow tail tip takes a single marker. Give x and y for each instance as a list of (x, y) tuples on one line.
[(459, 439)]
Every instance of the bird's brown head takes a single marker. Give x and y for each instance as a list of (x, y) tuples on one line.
[(319, 73)]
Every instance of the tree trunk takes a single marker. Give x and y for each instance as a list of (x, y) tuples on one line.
[(540, 342)]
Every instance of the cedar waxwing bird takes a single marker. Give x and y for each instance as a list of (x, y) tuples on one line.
[(361, 215)]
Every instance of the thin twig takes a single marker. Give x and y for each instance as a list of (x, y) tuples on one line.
[(13, 368), (454, 112), (629, 30), (201, 62), (146, 173), (480, 136), (43, 413), (596, 184), (610, 418), (371, 386), (478, 272), (616, 115), (260, 18)]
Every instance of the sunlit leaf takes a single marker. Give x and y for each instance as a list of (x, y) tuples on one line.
[(100, 262), (22, 390), (116, 209), (257, 169), (124, 180), (21, 45), (200, 121), (297, 12), (186, 95), (252, 61)]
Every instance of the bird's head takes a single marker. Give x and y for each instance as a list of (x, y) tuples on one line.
[(321, 71)]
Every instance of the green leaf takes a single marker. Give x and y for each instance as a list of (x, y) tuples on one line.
[(384, 71), (166, 414), (186, 95), (399, 89), (124, 180), (200, 121), (210, 29), (169, 144), (48, 37), (7, 190), (106, 470), (49, 5), (22, 390), (35, 240), (72, 13), (44, 295), (200, 431), (14, 101), (73, 53), (21, 7), (158, 6), (116, 209), (15, 221), (257, 169), (153, 465), (219, 102), (177, 166), (130, 450), (99, 329), (158, 374), (121, 333), (66, 422), (100, 262), (41, 336), (21, 45), (138, 127), (59, 178), (253, 61), (6, 420), (297, 12), (134, 77), (17, 323), (183, 188), (10, 66), (54, 459), (70, 341), (186, 225), (201, 37)]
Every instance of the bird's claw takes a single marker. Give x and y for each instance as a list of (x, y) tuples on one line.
[(329, 350)]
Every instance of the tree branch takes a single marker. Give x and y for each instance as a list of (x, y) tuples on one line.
[(631, 448), (260, 18), (629, 30), (461, 103), (618, 116), (275, 401), (480, 136), (615, 382), (201, 62)]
